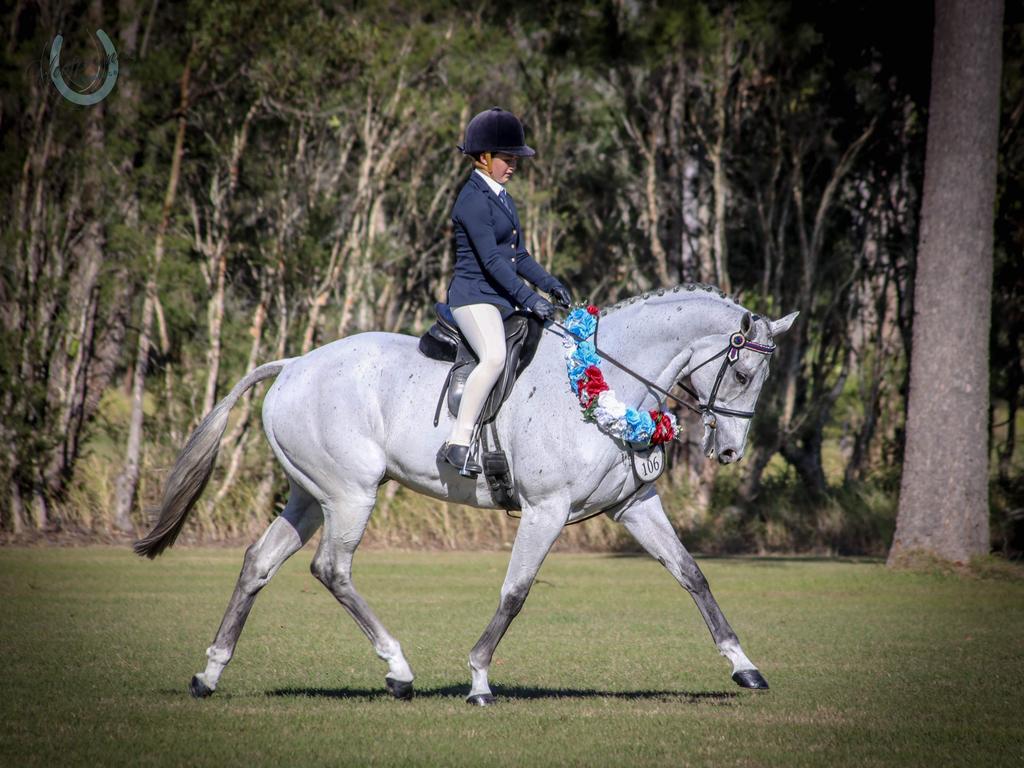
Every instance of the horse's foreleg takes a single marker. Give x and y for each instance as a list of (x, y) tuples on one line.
[(283, 538), (537, 532), (346, 520), (647, 522)]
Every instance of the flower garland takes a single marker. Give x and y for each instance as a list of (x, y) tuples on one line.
[(598, 400)]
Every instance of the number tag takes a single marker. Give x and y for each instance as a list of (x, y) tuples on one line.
[(648, 465)]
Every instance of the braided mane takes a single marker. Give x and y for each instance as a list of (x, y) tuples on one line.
[(688, 287)]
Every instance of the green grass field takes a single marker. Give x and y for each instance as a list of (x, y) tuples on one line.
[(609, 664)]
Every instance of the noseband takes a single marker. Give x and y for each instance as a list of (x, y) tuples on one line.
[(731, 353)]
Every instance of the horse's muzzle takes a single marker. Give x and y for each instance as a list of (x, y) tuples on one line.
[(728, 456)]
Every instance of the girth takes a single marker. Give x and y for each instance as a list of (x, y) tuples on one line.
[(443, 341)]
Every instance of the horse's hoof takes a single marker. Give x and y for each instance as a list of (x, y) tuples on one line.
[(199, 689), (750, 678), (399, 689), (481, 699)]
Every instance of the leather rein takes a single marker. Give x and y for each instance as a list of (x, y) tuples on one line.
[(708, 410)]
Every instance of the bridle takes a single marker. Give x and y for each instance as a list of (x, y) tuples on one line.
[(708, 410), (737, 341)]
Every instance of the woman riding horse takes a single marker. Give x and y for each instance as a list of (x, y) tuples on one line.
[(490, 261)]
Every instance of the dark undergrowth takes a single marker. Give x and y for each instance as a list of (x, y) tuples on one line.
[(849, 519)]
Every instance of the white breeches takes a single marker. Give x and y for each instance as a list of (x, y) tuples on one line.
[(483, 328)]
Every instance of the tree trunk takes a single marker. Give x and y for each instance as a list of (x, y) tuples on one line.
[(705, 249), (944, 493), (1009, 447), (268, 474), (690, 219), (128, 480), (653, 200), (757, 462), (238, 436), (217, 253), (80, 364), (17, 510), (719, 182), (70, 362), (805, 458), (215, 322)]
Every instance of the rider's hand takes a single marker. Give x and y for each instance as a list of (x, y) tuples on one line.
[(543, 308), (562, 295)]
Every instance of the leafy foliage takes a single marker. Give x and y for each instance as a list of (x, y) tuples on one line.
[(773, 148)]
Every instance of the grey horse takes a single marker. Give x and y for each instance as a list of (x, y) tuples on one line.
[(355, 413)]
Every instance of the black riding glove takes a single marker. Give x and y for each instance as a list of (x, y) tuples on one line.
[(543, 308), (562, 295)]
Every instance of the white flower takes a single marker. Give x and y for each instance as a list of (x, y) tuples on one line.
[(610, 403)]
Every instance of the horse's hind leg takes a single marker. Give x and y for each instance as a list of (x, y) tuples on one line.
[(646, 520), (346, 516), (282, 539)]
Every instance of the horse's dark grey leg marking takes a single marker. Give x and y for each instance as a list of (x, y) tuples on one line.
[(283, 538), (332, 566), (537, 532), (647, 522), (480, 657)]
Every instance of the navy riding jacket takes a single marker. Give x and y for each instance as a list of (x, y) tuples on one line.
[(490, 256)]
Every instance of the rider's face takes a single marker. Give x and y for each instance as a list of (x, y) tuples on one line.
[(503, 166)]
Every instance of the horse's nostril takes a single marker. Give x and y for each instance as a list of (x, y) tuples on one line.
[(728, 455)]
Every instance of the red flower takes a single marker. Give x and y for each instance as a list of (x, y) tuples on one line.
[(590, 385), (592, 309), (663, 431)]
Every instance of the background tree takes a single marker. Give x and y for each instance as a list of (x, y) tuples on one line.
[(944, 494), (772, 146)]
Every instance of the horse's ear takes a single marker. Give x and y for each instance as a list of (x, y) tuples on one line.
[(782, 325), (746, 324)]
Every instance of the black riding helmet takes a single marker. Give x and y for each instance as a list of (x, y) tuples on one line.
[(495, 130)]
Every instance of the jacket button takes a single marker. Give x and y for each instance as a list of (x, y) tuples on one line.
[(513, 259)]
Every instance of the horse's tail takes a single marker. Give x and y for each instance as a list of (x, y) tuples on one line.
[(194, 466)]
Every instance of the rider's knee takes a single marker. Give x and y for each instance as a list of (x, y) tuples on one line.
[(493, 362)]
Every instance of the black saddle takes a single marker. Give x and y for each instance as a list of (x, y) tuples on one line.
[(444, 341)]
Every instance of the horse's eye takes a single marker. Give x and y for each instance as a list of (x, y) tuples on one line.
[(741, 379)]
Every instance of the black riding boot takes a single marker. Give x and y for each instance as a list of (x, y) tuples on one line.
[(458, 457)]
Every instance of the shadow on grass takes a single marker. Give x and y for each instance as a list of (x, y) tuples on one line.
[(513, 692), (765, 560)]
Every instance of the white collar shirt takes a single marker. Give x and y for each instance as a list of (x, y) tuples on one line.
[(496, 188)]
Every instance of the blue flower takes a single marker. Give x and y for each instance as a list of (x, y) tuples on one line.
[(639, 426), (585, 354), (580, 323), (575, 374), (577, 363)]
